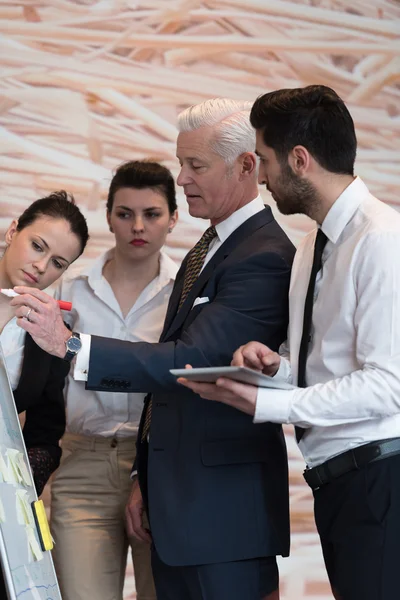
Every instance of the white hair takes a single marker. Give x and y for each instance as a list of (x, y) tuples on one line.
[(230, 119)]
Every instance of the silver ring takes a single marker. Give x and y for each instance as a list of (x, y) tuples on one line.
[(28, 313)]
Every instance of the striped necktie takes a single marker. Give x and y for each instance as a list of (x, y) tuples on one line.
[(195, 261), (194, 264)]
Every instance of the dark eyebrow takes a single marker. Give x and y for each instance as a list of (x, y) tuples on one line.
[(124, 207), (47, 246), (145, 209), (44, 242)]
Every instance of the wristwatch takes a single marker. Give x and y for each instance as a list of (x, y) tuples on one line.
[(73, 345)]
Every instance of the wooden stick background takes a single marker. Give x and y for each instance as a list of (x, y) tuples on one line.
[(88, 85)]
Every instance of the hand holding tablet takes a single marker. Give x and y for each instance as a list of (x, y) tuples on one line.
[(242, 374)]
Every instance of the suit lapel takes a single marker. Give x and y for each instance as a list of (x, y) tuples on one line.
[(174, 298), (175, 319)]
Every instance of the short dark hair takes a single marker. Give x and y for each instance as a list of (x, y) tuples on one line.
[(141, 174), (314, 117), (58, 205)]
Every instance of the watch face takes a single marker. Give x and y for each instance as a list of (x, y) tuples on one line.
[(74, 344)]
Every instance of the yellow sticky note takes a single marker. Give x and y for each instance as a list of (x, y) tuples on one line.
[(6, 471), (35, 551), (12, 457), (24, 511), (23, 469)]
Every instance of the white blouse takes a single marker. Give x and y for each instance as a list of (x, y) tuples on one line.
[(12, 340), (96, 311)]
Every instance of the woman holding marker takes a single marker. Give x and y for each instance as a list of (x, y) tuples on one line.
[(40, 245), (124, 294)]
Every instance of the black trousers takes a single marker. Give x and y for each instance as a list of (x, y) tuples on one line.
[(358, 520), (240, 580)]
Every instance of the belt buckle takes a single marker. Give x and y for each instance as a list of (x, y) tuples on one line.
[(354, 460), (315, 469), (320, 480)]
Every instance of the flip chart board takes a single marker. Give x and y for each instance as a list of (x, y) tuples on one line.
[(28, 571)]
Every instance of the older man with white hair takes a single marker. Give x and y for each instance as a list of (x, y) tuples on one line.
[(214, 484)]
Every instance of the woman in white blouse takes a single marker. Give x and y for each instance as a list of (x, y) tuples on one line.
[(40, 245), (123, 294)]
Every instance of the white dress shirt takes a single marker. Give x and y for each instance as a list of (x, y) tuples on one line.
[(96, 310), (353, 365), (224, 230), (12, 340)]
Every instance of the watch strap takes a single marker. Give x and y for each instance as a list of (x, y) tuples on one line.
[(69, 355)]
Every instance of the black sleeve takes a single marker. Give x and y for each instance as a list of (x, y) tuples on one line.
[(45, 424)]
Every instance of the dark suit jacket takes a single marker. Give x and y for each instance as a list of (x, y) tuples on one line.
[(40, 394), (217, 486)]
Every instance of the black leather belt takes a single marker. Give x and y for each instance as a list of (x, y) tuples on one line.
[(350, 460)]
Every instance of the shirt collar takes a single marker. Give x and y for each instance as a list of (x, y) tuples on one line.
[(94, 272), (225, 228), (168, 269), (343, 209)]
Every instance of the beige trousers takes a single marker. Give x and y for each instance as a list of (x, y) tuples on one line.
[(88, 497)]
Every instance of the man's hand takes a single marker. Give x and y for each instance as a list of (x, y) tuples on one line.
[(134, 513), (258, 357), (239, 395), (39, 314)]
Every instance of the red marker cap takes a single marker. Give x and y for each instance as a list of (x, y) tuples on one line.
[(64, 305)]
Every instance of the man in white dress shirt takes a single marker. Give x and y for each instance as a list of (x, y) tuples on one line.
[(343, 342)]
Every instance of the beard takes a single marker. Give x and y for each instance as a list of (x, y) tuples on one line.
[(294, 195)]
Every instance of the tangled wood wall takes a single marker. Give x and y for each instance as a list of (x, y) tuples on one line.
[(88, 84)]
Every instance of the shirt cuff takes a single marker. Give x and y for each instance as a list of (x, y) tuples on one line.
[(82, 358), (133, 475), (273, 405), (284, 373)]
